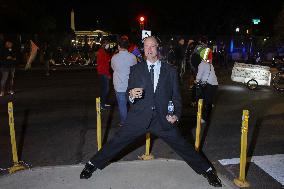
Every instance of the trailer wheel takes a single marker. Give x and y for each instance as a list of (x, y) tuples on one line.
[(252, 84), (278, 81)]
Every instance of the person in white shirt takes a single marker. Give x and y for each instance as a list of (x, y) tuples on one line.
[(207, 82)]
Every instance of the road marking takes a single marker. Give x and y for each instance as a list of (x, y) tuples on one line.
[(271, 164)]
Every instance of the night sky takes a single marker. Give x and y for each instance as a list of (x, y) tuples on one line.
[(178, 17)]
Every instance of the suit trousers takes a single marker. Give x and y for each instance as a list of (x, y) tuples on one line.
[(172, 137)]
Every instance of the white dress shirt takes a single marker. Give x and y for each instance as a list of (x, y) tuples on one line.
[(157, 69)]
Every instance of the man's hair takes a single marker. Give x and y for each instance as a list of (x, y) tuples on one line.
[(123, 42), (203, 39), (180, 38), (152, 37)]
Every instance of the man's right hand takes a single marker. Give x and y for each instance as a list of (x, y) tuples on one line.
[(136, 93)]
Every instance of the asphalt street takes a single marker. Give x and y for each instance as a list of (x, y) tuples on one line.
[(55, 123)]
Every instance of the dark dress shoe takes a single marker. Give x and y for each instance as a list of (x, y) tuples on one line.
[(212, 178), (87, 171)]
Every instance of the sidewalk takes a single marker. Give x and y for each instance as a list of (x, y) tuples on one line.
[(153, 174)]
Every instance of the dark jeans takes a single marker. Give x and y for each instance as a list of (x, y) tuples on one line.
[(179, 65), (207, 94), (122, 105), (104, 89), (47, 66), (6, 71)]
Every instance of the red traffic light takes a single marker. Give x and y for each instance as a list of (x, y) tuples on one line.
[(141, 18)]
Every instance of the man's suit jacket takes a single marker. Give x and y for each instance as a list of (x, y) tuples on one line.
[(141, 110)]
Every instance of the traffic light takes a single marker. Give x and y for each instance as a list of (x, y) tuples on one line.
[(141, 22), (141, 18)]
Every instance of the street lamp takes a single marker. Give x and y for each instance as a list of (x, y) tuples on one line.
[(237, 29)]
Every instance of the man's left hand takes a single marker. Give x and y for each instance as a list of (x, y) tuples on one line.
[(172, 119)]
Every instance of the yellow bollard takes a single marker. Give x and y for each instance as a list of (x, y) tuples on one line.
[(16, 166), (241, 181), (147, 155), (198, 124), (99, 123), (148, 142)]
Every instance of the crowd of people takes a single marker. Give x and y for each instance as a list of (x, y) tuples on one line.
[(185, 56)]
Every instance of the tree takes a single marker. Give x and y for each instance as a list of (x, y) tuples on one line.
[(279, 25), (48, 24)]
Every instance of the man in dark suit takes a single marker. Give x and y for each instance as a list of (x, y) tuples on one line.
[(152, 85)]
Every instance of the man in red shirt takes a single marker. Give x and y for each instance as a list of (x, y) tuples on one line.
[(103, 68)]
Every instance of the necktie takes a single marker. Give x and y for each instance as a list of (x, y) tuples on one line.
[(152, 73)]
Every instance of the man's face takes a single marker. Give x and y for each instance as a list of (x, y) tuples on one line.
[(150, 48), (8, 44), (181, 41)]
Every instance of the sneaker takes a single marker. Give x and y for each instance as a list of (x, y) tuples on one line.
[(11, 92), (105, 107), (1, 93), (203, 121)]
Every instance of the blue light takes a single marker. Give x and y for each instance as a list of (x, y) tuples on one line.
[(244, 49), (232, 46)]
